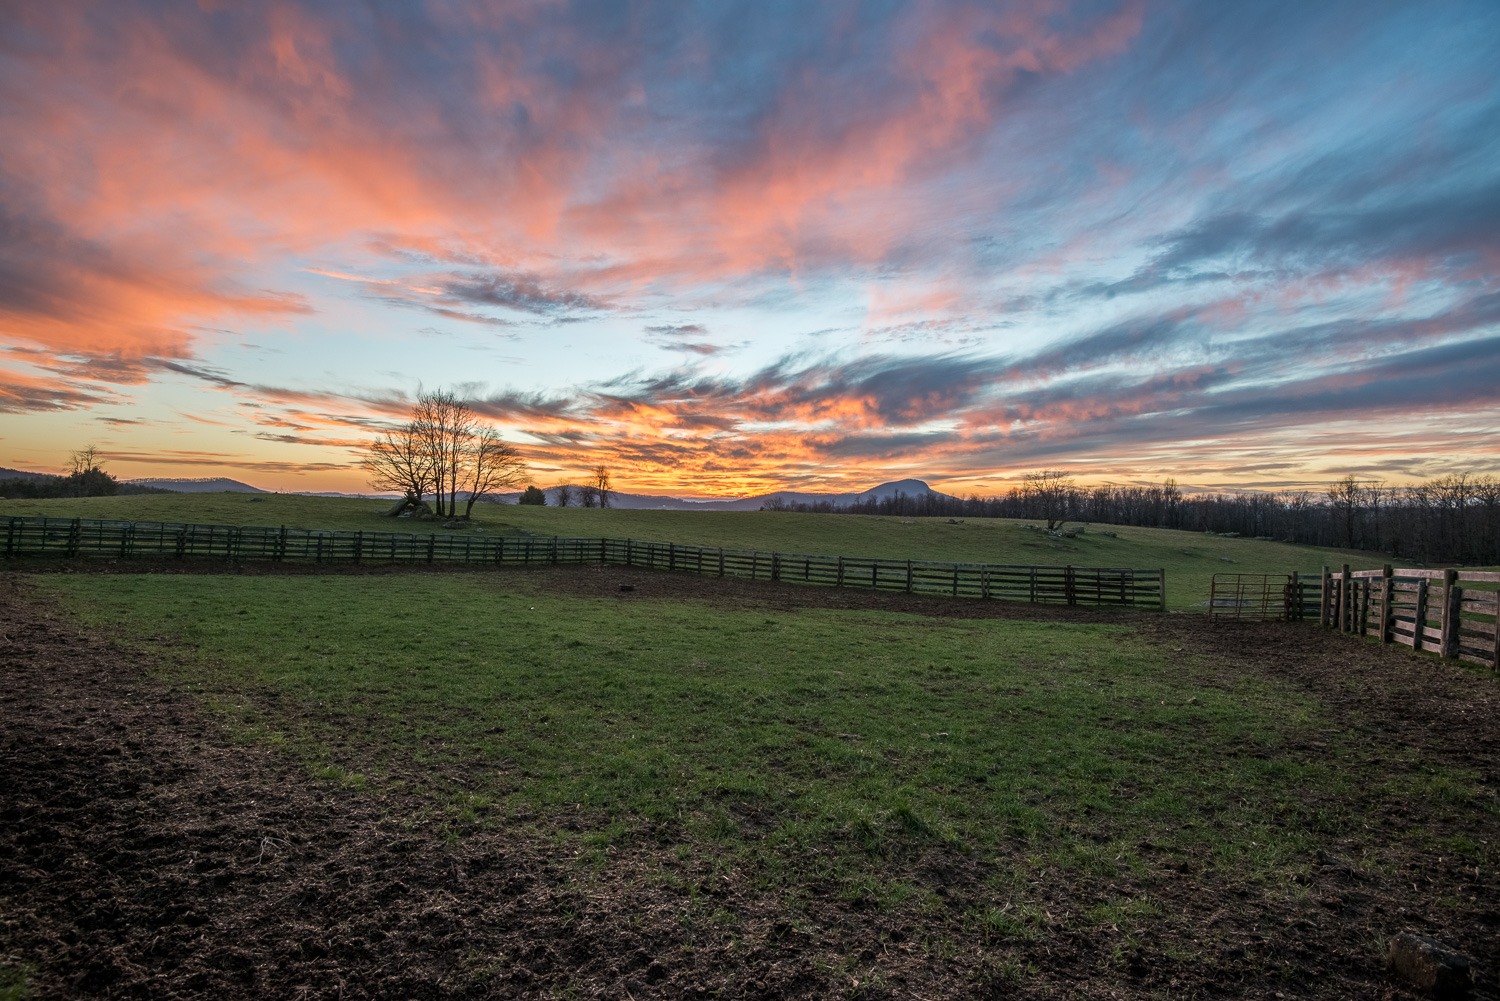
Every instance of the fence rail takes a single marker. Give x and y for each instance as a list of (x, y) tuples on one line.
[(72, 537), (1452, 613)]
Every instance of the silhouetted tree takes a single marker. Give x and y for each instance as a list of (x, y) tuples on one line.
[(443, 449), (601, 484), (1052, 495), (86, 478)]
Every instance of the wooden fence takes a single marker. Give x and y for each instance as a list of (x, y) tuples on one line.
[(1430, 610), (124, 540)]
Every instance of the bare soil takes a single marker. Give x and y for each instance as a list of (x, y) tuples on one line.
[(143, 854)]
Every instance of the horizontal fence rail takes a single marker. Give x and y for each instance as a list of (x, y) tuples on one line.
[(1452, 613), (71, 537)]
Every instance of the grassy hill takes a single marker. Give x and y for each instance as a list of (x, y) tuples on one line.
[(1190, 559)]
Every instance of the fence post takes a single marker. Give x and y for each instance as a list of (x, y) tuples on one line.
[(671, 556), (359, 545), (908, 576), (281, 544), (1365, 585), (1325, 595), (1495, 637), (1420, 626), (1452, 596), (984, 582), (775, 566), (1161, 588), (1294, 598), (1346, 601), (10, 537), (431, 546), (1388, 605), (75, 536), (182, 542), (1068, 590)]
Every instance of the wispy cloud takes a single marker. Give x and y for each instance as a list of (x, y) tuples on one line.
[(1086, 230)]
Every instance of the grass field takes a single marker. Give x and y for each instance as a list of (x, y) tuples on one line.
[(1190, 559), (1077, 775), (861, 728)]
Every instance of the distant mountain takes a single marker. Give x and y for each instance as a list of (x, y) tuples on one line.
[(655, 502), (213, 485), (344, 496), (22, 474)]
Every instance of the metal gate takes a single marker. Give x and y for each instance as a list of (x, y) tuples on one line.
[(1257, 596)]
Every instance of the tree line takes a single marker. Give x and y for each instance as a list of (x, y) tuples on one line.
[(595, 493), (86, 477), (1449, 519)]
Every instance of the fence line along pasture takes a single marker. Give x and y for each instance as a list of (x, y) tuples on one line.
[(1429, 610), (71, 537), (1452, 613)]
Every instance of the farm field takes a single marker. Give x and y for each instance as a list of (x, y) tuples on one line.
[(604, 782), (1189, 558)]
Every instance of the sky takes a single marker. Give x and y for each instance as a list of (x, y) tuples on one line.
[(731, 247)]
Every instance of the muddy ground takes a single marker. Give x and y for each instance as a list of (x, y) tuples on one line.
[(145, 855)]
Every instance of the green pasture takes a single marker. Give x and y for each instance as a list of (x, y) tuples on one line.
[(1190, 559), (809, 753)]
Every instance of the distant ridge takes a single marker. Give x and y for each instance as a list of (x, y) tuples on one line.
[(210, 485), (22, 474), (654, 502)]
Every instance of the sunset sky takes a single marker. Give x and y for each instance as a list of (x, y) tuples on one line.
[(727, 248)]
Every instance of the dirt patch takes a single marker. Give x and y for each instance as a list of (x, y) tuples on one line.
[(143, 854)]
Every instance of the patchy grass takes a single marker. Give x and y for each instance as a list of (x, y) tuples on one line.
[(1190, 559), (807, 746), (865, 792), (14, 983)]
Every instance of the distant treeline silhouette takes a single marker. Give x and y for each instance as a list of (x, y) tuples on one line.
[(86, 478), (1450, 519)]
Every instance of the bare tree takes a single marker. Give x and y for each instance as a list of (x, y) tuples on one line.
[(1346, 497), (588, 495), (86, 477), (443, 449), (1052, 495), (85, 460), (564, 495), (492, 463), (399, 460), (601, 484), (447, 427)]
